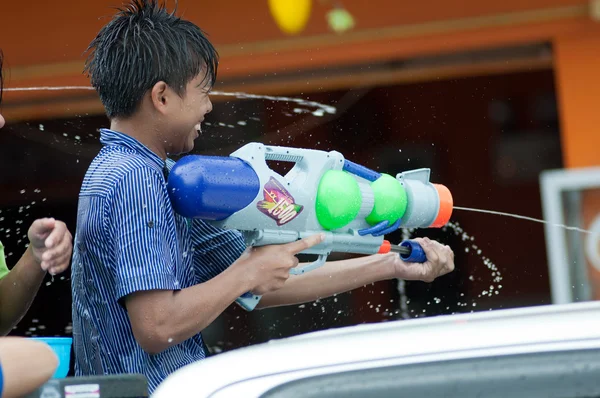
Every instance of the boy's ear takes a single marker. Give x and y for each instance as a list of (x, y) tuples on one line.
[(160, 96)]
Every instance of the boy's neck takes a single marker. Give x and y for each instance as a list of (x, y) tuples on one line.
[(144, 132)]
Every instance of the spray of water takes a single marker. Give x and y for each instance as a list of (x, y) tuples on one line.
[(23, 221), (321, 109), (471, 247), (499, 213)]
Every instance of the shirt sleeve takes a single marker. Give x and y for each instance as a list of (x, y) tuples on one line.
[(215, 249), (142, 234), (3, 268)]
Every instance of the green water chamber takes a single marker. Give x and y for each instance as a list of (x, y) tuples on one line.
[(343, 198)]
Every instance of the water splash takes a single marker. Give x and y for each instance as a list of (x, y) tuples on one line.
[(321, 109), (16, 231), (500, 213), (495, 272), (471, 247), (23, 218)]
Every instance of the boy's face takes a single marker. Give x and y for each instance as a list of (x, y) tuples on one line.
[(186, 118)]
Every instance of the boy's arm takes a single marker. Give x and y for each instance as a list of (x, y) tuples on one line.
[(161, 313), (341, 276), (49, 248), (25, 365), (164, 318), (17, 291)]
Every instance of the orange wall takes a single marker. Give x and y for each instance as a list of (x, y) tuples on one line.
[(59, 31), (56, 33), (577, 63), (44, 44)]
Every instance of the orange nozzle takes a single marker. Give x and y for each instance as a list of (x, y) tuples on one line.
[(385, 247), (446, 206)]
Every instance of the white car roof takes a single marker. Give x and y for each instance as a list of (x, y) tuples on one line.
[(483, 333)]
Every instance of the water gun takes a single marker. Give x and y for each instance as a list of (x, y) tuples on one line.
[(322, 193)]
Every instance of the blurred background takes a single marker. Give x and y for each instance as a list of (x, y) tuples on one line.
[(499, 99)]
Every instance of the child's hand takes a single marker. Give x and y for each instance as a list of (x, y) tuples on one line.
[(440, 261), (51, 244), (268, 267)]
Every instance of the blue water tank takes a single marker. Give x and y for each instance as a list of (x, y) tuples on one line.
[(211, 187)]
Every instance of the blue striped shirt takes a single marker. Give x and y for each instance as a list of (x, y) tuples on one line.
[(128, 239)]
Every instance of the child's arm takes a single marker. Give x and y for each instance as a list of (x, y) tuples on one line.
[(49, 249), (341, 276), (17, 291), (25, 365), (161, 312)]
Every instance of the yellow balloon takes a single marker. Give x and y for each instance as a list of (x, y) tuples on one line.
[(290, 15)]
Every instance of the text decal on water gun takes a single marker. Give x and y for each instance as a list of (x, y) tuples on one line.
[(278, 203)]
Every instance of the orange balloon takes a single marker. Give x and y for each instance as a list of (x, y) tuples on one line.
[(291, 16)]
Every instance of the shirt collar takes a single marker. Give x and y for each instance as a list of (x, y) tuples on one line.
[(110, 137)]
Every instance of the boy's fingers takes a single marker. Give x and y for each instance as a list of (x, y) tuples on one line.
[(306, 243)]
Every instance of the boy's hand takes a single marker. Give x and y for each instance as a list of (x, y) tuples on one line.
[(50, 244), (268, 267), (440, 261)]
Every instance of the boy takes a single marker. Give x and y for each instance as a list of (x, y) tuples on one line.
[(26, 364), (146, 281)]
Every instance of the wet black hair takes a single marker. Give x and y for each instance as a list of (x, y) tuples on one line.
[(142, 45)]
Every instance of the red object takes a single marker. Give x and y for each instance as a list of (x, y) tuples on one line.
[(385, 247)]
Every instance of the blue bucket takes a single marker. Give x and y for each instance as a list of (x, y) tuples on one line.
[(62, 348)]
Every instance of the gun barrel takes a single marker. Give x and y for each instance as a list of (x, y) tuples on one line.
[(409, 251), (400, 249)]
